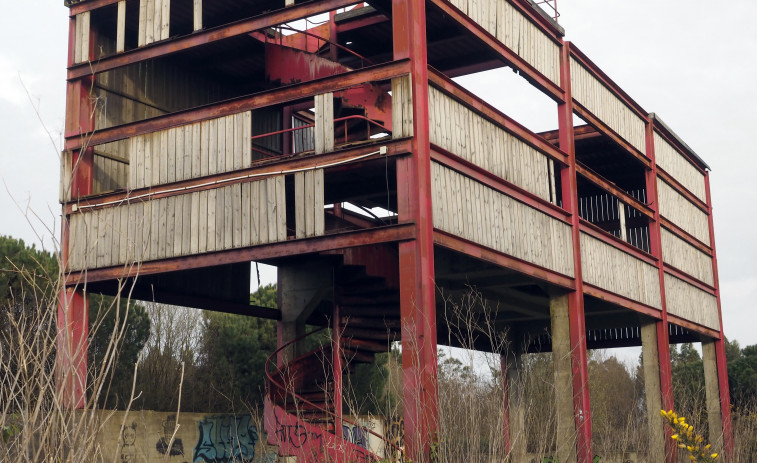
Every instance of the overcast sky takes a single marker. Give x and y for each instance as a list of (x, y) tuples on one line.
[(693, 62)]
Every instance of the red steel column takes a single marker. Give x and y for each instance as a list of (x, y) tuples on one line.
[(581, 401), (725, 398), (336, 353), (73, 316), (663, 338), (416, 257), (71, 359)]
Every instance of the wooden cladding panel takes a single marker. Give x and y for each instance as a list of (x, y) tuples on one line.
[(468, 135), (675, 164), (598, 99), (679, 210), (195, 150), (402, 107), (229, 217), (691, 303), (154, 21), (502, 20), (81, 41), (471, 210), (308, 201), (686, 257), (609, 268)]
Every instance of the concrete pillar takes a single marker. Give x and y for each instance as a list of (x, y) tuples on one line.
[(652, 391), (300, 289), (515, 411), (561, 351), (71, 361), (712, 390)]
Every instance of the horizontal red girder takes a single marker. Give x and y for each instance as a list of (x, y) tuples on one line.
[(203, 37), (292, 247), (394, 148), (682, 189), (591, 229), (488, 111), (284, 94), (487, 178), (529, 72), (613, 189), (686, 236), (470, 248), (622, 301), (691, 326)]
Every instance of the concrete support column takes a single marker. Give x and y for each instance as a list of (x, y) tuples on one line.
[(712, 390), (653, 391), (300, 289), (515, 411), (561, 351)]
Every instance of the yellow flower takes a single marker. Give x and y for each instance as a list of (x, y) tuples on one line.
[(674, 437), (692, 458), (714, 455), (707, 447)]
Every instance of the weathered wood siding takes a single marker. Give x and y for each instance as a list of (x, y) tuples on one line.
[(463, 132), (308, 202), (691, 303), (81, 41), (402, 107), (675, 164), (149, 89), (679, 210), (516, 32), (196, 150), (471, 210), (110, 167), (598, 99), (233, 216), (154, 21), (686, 257), (609, 268)]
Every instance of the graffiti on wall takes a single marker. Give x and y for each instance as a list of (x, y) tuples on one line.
[(128, 449), (177, 447), (357, 435), (225, 439), (395, 434)]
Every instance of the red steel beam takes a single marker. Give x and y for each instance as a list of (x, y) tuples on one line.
[(206, 36), (613, 189), (681, 275), (577, 317), (684, 235), (284, 94), (621, 301), (90, 5), (579, 56), (538, 79), (471, 101), (394, 148), (387, 234), (722, 362), (597, 123), (682, 189), (691, 326), (455, 243), (497, 183), (546, 25), (593, 230), (663, 334), (667, 136)]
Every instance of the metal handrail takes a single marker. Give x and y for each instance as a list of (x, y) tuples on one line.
[(281, 387)]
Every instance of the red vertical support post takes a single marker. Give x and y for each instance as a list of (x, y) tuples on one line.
[(73, 316), (336, 354), (416, 257), (71, 368), (663, 335), (722, 361), (579, 357)]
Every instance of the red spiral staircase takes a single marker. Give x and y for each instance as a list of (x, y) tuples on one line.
[(303, 407)]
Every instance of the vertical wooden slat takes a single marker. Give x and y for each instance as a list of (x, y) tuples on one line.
[(194, 223), (178, 224), (197, 15), (271, 213), (245, 214), (203, 221), (255, 213), (121, 27), (324, 123), (281, 208), (170, 141), (165, 27), (299, 204), (228, 209)]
